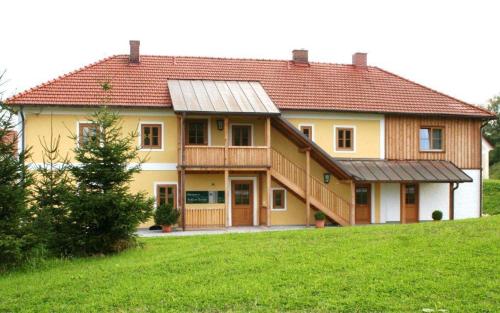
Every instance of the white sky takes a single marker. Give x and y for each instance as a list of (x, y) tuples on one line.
[(450, 46)]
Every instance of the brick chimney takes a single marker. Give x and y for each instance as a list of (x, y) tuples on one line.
[(359, 59), (300, 56), (135, 56)]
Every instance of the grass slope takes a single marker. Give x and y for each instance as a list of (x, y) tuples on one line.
[(491, 197), (398, 268)]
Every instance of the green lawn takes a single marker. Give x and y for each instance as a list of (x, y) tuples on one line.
[(491, 197), (397, 268)]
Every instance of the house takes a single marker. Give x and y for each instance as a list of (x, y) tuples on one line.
[(235, 142), (485, 156)]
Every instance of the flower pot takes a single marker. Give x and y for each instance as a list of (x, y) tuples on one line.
[(320, 223), (166, 228)]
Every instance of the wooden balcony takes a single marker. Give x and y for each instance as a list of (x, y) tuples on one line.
[(219, 156)]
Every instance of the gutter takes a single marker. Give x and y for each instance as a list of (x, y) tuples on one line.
[(481, 167)]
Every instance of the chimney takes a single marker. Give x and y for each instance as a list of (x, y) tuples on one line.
[(359, 59), (300, 56), (135, 56)]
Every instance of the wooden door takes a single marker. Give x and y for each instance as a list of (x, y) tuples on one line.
[(363, 204), (242, 202), (409, 203)]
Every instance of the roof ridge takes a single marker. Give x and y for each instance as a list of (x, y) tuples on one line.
[(435, 91), (234, 59), (46, 83)]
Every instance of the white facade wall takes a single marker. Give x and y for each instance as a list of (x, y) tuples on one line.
[(467, 196), (390, 203), (434, 196)]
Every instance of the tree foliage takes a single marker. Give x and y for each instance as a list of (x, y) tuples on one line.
[(15, 239), (104, 213), (492, 130)]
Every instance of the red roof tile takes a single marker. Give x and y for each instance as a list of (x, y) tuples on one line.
[(320, 86)]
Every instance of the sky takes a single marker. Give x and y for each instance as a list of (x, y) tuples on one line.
[(450, 46)]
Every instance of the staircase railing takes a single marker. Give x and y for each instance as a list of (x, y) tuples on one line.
[(326, 199)]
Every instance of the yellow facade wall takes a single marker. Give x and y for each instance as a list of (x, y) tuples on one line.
[(38, 128), (367, 135)]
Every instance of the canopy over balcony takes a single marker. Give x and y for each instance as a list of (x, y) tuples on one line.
[(220, 97)]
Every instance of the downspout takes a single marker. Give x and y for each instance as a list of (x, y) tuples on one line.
[(481, 168), (23, 145), (452, 211)]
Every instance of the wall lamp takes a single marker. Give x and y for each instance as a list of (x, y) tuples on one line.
[(326, 177), (220, 124)]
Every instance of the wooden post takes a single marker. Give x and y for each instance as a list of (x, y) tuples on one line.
[(269, 197), (352, 216), (183, 140), (308, 186), (226, 195), (226, 140), (268, 140), (183, 197)]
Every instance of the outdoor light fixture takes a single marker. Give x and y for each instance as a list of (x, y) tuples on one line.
[(326, 177), (220, 124)]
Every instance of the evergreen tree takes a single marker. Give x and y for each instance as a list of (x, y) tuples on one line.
[(15, 241), (104, 213), (52, 191), (492, 130)]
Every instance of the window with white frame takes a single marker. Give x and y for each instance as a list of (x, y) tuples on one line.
[(278, 199)]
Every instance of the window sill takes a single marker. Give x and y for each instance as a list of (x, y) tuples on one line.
[(432, 151), (278, 210)]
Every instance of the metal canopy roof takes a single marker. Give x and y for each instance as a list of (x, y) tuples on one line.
[(404, 171), (220, 97)]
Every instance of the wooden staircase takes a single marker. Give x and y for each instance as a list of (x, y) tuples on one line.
[(295, 179)]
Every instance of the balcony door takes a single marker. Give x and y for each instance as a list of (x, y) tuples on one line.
[(241, 135), (242, 202)]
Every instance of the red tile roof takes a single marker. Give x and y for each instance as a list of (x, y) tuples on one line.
[(319, 86)]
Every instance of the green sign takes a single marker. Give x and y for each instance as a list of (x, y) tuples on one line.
[(220, 196), (196, 196)]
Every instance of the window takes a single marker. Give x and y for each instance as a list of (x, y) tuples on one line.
[(345, 138), (362, 195), (86, 132), (166, 194), (431, 138), (410, 194), (279, 199), (197, 132), (242, 135), (151, 136), (307, 131)]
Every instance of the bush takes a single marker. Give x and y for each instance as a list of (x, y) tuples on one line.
[(491, 197), (320, 216), (437, 215), (166, 215)]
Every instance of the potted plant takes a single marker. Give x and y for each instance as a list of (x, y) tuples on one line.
[(437, 215), (166, 216), (320, 219)]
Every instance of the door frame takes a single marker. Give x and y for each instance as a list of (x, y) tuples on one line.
[(252, 142), (370, 201), (230, 200), (402, 202)]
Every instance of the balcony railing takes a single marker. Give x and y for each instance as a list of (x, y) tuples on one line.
[(216, 156)]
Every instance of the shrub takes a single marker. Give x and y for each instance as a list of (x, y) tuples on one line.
[(319, 216), (437, 215), (166, 215)]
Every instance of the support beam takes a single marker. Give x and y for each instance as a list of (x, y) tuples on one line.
[(183, 197), (269, 197), (226, 196), (268, 140), (183, 141), (308, 187), (226, 140), (352, 215)]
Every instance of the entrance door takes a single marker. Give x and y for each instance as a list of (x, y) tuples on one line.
[(409, 199), (242, 202), (363, 207)]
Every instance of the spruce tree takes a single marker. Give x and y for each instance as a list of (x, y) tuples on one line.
[(52, 190), (104, 213), (15, 240)]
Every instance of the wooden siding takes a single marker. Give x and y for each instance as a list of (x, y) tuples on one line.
[(205, 217), (462, 139)]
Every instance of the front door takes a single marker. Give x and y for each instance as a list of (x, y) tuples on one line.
[(242, 202), (363, 207), (409, 212)]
